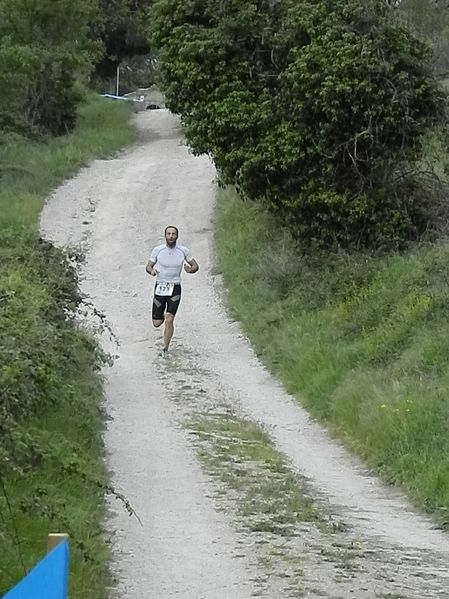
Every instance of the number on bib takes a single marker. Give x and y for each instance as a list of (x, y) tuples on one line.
[(164, 288)]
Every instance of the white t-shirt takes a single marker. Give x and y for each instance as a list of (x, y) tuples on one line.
[(169, 262)]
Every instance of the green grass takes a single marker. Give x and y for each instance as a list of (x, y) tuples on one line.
[(271, 502), (362, 340), (28, 171), (62, 493), (271, 498), (52, 477)]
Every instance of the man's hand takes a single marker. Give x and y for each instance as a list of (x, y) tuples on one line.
[(151, 270), (191, 267)]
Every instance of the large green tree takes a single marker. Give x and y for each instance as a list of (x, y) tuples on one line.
[(44, 50), (312, 106), (122, 27)]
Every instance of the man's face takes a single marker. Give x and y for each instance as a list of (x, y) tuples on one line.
[(171, 236)]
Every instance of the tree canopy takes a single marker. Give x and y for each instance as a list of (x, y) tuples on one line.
[(313, 107), (122, 27), (44, 49)]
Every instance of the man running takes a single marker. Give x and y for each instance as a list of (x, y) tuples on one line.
[(165, 263)]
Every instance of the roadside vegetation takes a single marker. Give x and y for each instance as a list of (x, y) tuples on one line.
[(361, 339), (51, 472), (52, 476)]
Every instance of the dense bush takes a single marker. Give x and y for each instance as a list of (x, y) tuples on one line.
[(50, 473), (315, 107), (39, 343), (44, 52)]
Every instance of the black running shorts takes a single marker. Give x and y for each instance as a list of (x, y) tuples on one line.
[(169, 303)]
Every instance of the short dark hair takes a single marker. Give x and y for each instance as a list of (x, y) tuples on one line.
[(171, 227)]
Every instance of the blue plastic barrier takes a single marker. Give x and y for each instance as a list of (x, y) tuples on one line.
[(48, 578)]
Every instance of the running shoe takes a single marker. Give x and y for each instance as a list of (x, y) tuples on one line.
[(164, 353)]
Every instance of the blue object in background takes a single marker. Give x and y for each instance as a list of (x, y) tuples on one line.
[(48, 578)]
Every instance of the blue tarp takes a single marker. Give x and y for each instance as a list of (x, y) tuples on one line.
[(47, 580)]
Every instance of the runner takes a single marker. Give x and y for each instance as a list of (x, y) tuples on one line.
[(165, 263)]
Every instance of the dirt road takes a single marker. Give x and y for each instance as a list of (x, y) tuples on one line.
[(194, 540)]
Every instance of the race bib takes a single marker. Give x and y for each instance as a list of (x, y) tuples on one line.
[(163, 288)]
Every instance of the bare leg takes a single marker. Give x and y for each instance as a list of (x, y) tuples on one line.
[(169, 328), (157, 323)]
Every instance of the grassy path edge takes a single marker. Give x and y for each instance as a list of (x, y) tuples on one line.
[(360, 339), (51, 465)]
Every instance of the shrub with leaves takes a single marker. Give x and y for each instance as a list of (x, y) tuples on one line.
[(48, 375), (317, 108), (44, 51), (39, 341)]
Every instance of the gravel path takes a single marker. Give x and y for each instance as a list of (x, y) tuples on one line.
[(187, 544)]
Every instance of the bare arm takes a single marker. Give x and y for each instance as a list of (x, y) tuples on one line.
[(191, 266), (150, 268)]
